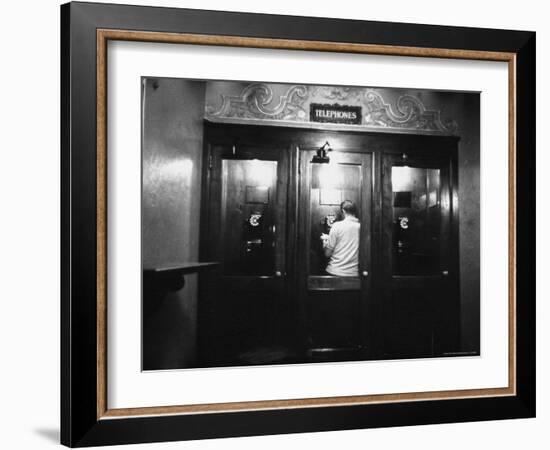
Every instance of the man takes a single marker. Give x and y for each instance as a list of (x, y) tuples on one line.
[(341, 245)]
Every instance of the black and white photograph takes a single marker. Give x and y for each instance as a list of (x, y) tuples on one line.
[(296, 224), (275, 225)]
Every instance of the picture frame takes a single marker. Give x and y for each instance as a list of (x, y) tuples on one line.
[(86, 418)]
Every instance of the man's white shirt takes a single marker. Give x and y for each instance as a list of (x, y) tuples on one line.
[(343, 241)]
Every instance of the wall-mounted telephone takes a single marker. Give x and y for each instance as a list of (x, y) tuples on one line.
[(401, 233), (327, 222), (253, 234), (258, 240)]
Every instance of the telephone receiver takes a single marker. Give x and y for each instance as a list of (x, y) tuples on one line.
[(327, 222)]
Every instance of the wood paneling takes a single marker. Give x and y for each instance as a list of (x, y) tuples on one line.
[(301, 309)]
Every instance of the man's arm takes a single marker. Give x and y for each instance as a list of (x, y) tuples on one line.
[(328, 251), (330, 242)]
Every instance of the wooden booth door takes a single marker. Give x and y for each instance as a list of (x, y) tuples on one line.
[(335, 309), (244, 218), (419, 306)]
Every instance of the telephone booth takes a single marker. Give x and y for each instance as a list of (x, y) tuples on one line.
[(270, 193)]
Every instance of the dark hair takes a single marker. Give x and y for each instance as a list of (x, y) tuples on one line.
[(349, 207)]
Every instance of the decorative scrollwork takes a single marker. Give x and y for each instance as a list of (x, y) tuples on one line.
[(255, 102), (410, 114), (338, 93)]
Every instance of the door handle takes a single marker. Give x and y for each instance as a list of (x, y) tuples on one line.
[(445, 273)]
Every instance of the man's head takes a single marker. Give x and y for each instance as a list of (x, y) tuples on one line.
[(348, 208)]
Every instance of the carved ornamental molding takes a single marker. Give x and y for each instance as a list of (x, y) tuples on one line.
[(257, 102)]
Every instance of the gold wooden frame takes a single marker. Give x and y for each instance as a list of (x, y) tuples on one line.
[(104, 35)]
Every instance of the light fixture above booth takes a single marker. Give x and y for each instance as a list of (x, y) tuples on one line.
[(321, 155)]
